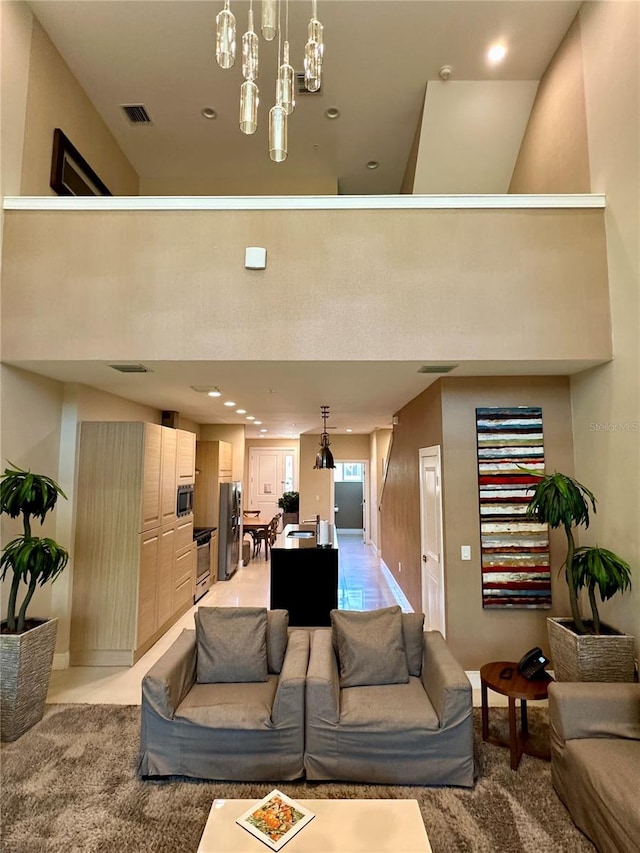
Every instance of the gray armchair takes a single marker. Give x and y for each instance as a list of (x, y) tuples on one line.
[(223, 704), (595, 759), (415, 729)]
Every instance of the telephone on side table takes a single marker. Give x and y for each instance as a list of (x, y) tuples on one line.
[(532, 663)]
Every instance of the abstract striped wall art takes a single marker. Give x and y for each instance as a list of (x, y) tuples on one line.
[(514, 549)]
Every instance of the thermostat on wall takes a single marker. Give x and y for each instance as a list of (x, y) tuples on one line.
[(255, 258)]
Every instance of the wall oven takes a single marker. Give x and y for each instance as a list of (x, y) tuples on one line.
[(184, 501), (202, 537)]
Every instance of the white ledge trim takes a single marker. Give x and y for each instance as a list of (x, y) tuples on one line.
[(322, 202)]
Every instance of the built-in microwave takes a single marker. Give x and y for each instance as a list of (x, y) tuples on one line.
[(184, 504)]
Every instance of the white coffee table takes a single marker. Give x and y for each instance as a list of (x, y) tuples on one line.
[(340, 826)]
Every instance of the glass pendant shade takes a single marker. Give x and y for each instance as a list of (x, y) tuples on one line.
[(225, 37), (285, 89), (278, 133), (269, 26), (249, 107), (250, 51)]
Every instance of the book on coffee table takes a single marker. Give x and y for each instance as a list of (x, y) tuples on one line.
[(275, 819)]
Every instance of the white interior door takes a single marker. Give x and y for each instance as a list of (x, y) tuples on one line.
[(272, 471), (433, 591)]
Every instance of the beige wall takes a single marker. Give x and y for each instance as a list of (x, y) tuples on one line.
[(16, 21), (379, 442), (605, 400), (55, 99), (316, 485), (466, 274), (31, 415), (477, 635), (444, 415), (554, 154)]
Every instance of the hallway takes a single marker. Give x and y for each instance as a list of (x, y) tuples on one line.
[(363, 584)]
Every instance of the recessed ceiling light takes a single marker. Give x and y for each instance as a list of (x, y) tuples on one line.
[(372, 164), (209, 112), (496, 53), (348, 429), (264, 430), (332, 112), (241, 411), (250, 418), (230, 403), (255, 423), (214, 393)]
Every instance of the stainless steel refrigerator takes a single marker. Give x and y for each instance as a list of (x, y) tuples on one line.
[(230, 529)]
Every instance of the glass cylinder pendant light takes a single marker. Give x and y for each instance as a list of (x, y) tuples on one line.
[(250, 50), (285, 85), (249, 107), (278, 133), (313, 52), (269, 27), (225, 37)]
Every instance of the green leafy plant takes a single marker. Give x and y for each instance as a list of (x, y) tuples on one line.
[(290, 502), (560, 501), (32, 560)]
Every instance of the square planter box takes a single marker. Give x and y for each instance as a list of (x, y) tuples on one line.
[(26, 661), (590, 657)]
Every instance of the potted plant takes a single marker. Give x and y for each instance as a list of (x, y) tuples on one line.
[(581, 649), (289, 503), (27, 644)]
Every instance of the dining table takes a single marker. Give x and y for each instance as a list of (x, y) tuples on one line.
[(255, 525)]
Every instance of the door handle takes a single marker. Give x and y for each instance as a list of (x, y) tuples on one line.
[(424, 558)]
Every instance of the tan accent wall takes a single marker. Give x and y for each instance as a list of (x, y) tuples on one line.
[(554, 154), (56, 99), (441, 285), (412, 161), (16, 21), (378, 447), (419, 425), (444, 415)]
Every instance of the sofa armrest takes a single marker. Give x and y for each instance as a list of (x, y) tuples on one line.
[(445, 681), (323, 680), (580, 709), (288, 703), (171, 677)]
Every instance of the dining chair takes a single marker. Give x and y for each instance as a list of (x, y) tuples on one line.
[(249, 513)]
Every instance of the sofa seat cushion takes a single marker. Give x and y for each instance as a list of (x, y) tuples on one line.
[(607, 780), (387, 707), (229, 705)]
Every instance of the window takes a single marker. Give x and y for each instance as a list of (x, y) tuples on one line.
[(348, 472)]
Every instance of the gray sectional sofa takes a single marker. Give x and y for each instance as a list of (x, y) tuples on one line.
[(240, 699), (595, 759)]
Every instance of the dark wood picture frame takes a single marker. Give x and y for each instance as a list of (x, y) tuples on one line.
[(70, 172)]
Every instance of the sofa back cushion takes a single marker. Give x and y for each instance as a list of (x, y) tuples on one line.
[(412, 632), (370, 646), (231, 644), (277, 639)]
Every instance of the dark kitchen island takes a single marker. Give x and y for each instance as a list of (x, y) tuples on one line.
[(304, 576)]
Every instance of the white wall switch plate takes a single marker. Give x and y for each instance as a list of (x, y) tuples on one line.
[(255, 258), (465, 552)]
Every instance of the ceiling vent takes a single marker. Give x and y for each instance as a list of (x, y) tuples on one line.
[(136, 113), (437, 368), (302, 89), (131, 368)]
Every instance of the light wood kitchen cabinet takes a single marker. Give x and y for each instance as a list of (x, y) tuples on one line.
[(131, 554), (211, 456), (185, 457), (184, 577)]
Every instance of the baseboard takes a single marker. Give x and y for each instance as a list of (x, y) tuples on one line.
[(398, 594), (474, 677), (61, 660)]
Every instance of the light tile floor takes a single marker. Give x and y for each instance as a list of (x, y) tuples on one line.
[(364, 583)]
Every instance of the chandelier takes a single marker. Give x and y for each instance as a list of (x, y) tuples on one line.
[(324, 457), (285, 80)]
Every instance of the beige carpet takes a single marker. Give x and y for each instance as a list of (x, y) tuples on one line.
[(69, 785)]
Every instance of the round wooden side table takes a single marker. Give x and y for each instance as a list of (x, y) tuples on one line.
[(516, 687)]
